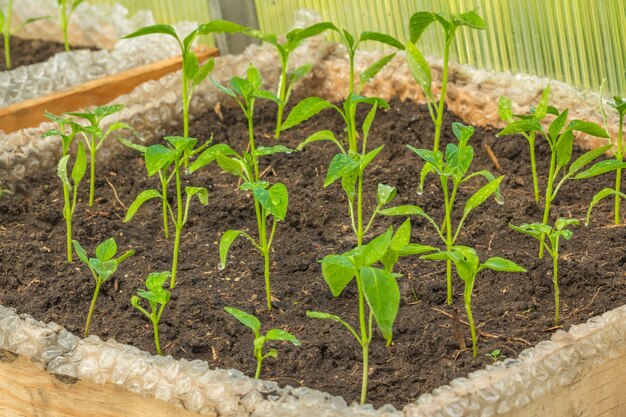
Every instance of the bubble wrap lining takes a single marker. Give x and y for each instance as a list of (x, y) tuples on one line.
[(501, 387)]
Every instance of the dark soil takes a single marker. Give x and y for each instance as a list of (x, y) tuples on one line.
[(30, 51), (512, 311)]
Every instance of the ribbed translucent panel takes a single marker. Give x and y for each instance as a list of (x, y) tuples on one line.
[(166, 11), (580, 42)]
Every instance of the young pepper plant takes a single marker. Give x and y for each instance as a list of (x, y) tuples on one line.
[(157, 298), (540, 231), (168, 160), (70, 190), (418, 23), (102, 267), (620, 105), (193, 73), (252, 323), (560, 138), (467, 265), (452, 170), (376, 286), (66, 9), (7, 32), (293, 40), (505, 111), (268, 201), (94, 136)]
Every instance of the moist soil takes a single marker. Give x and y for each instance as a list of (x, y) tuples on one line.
[(30, 51), (512, 311)]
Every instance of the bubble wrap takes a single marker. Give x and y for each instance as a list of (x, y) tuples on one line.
[(65, 70)]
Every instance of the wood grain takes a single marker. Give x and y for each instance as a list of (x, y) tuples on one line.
[(27, 390), (97, 92)]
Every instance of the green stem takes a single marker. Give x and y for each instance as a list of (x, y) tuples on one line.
[(93, 306), (64, 25), (92, 172), (555, 281), (259, 362), (470, 319), (533, 165), (548, 202), (179, 223), (618, 174), (68, 223), (185, 107), (282, 93), (448, 242), (442, 98), (155, 325), (7, 35), (164, 204)]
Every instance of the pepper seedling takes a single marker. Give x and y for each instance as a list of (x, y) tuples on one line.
[(467, 265), (540, 231), (102, 267), (168, 160), (66, 9), (193, 73), (94, 136), (5, 27), (560, 138), (69, 201), (452, 171), (375, 286), (293, 40), (268, 201), (418, 23), (157, 298), (620, 105), (252, 323)]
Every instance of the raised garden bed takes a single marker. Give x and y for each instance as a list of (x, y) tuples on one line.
[(314, 227), (29, 51)]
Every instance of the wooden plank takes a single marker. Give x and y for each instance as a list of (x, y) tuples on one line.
[(598, 392), (97, 92), (28, 390)]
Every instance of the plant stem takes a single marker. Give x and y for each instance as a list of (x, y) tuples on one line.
[(179, 223), (470, 319), (448, 226), (164, 203), (282, 92), (155, 325), (548, 202), (64, 25), (93, 306), (442, 98), (7, 35), (259, 362), (185, 107), (68, 224), (92, 172), (555, 280), (619, 155), (533, 165)]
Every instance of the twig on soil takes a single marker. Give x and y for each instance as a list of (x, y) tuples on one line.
[(116, 196), (579, 310), (266, 171), (492, 156), (550, 329)]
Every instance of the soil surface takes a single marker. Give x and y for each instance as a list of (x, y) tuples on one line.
[(30, 51), (513, 311)]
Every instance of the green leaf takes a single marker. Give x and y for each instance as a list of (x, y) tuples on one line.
[(106, 250), (458, 159), (406, 210), (304, 110), (463, 133), (104, 269), (223, 88), (416, 249), (470, 19), (402, 237), (158, 157), (323, 316), (299, 73), (420, 69), (220, 26), (298, 35), (537, 230), (62, 172), (80, 166), (201, 192), (209, 155), (383, 296), (501, 265), (586, 158), (557, 124), (141, 198), (382, 38), (542, 108), (340, 165), (231, 165), (561, 223), (605, 192), (139, 148), (588, 128), (244, 318), (369, 157), (369, 119), (82, 254), (274, 201), (203, 72), (154, 29), (505, 109), (181, 143), (601, 168), (418, 24), (190, 65), (279, 334), (374, 250), (226, 241), (267, 95), (156, 280), (371, 71), (434, 158), (521, 126), (271, 150), (564, 147), (337, 271), (481, 195), (385, 194), (320, 136)]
